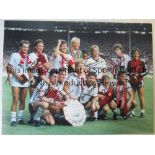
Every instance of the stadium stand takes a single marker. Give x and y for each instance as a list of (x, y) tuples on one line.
[(142, 41)]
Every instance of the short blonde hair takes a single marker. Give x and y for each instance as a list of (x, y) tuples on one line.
[(75, 39), (94, 47)]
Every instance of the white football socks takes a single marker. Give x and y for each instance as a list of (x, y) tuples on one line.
[(143, 111), (20, 115), (96, 114), (13, 116), (39, 113)]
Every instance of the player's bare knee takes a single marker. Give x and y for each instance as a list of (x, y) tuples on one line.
[(106, 108), (93, 109), (141, 97), (44, 105), (133, 104), (22, 101), (97, 108), (15, 99)]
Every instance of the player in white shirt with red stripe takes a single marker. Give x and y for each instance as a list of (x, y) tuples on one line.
[(60, 58), (39, 69), (41, 102), (18, 66), (49, 99), (40, 64), (123, 94)]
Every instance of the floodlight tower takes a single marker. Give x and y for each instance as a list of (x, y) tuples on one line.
[(129, 41), (68, 36)]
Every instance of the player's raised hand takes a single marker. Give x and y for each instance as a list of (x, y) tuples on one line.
[(59, 42)]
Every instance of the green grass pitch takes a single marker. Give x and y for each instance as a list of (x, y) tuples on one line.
[(131, 126)]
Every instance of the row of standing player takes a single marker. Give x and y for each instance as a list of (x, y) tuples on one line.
[(19, 62)]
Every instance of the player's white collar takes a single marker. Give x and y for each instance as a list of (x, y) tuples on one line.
[(98, 59)]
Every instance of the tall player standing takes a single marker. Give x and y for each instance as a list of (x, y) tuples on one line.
[(121, 59), (74, 50), (95, 63), (60, 58), (18, 66), (39, 69), (137, 70)]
